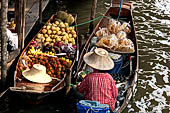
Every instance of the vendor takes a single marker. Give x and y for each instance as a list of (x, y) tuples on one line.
[(12, 45), (99, 85)]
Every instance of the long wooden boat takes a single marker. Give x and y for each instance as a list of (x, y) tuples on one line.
[(126, 80), (32, 91)]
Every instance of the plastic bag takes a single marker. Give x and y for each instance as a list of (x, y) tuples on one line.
[(121, 35), (102, 32), (126, 45), (113, 26), (110, 42)]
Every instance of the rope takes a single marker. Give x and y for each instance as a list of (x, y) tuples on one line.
[(88, 21), (99, 17), (120, 9)]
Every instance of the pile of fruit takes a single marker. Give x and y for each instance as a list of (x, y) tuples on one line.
[(58, 33), (55, 37), (56, 67)]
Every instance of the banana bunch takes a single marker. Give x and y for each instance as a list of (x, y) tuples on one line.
[(32, 51)]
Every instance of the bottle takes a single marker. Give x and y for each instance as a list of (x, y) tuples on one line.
[(108, 111)]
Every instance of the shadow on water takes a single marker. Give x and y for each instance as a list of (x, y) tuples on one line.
[(55, 103)]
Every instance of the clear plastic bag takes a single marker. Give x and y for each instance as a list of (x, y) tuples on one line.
[(110, 42), (126, 45), (102, 32)]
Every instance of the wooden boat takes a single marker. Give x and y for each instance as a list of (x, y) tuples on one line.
[(128, 77), (34, 92)]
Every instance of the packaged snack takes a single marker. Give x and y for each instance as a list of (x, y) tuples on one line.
[(110, 42), (102, 32), (121, 35)]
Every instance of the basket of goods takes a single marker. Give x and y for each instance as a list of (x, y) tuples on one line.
[(53, 47), (113, 37)]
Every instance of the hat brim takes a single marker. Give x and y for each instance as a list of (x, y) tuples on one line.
[(92, 62), (38, 78)]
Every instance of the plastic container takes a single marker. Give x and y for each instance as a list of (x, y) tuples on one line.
[(118, 62), (87, 106)]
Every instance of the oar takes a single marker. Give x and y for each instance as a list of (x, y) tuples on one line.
[(1, 94)]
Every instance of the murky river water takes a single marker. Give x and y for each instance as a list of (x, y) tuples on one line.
[(152, 24)]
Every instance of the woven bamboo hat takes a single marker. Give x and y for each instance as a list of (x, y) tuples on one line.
[(37, 74), (99, 59)]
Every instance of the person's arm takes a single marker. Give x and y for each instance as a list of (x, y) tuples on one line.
[(115, 90), (82, 86)]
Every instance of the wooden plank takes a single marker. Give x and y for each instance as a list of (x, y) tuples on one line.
[(33, 15), (23, 22)]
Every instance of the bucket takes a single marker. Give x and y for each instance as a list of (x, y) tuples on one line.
[(87, 106), (118, 62)]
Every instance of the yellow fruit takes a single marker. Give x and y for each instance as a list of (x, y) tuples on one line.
[(55, 36), (46, 35), (70, 35), (64, 38), (59, 32), (57, 29), (54, 40), (63, 29), (48, 39), (44, 31), (67, 29), (58, 39), (62, 24), (44, 27), (66, 24), (39, 35), (74, 35), (49, 32), (56, 22), (46, 43), (54, 32), (53, 28), (73, 32), (63, 33), (48, 27), (66, 41), (70, 39)]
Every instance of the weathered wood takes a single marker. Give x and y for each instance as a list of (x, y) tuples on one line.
[(19, 23), (93, 12), (33, 15), (16, 16), (40, 10), (68, 80), (4, 40), (23, 22)]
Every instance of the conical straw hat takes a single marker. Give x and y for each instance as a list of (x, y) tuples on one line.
[(37, 74), (99, 59)]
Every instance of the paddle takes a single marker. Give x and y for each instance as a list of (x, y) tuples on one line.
[(1, 94)]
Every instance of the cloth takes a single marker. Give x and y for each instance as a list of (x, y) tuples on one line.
[(12, 41), (99, 87)]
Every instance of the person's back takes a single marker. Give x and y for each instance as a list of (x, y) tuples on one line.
[(99, 87)]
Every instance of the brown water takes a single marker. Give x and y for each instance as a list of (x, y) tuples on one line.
[(152, 24)]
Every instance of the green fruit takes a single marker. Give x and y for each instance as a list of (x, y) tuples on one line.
[(70, 19), (62, 15)]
